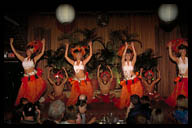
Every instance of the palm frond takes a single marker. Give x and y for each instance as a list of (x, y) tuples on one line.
[(146, 60)]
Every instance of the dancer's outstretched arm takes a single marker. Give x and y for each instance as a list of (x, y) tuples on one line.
[(66, 55), (66, 74), (158, 78), (111, 74), (124, 52), (134, 54), (174, 58), (98, 77), (85, 61), (36, 58), (21, 58), (50, 80)]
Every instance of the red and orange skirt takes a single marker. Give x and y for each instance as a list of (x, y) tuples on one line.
[(181, 88), (32, 87), (129, 87), (61, 97), (154, 96), (78, 88), (105, 98)]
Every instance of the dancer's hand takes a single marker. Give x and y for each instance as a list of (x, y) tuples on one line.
[(108, 66), (132, 44), (141, 69), (43, 40), (11, 40), (50, 68), (169, 44), (67, 45), (90, 43), (126, 44), (99, 67)]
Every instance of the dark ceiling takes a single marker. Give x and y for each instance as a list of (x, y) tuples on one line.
[(81, 5)]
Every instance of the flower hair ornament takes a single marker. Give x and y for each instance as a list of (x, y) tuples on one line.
[(122, 48), (178, 42), (78, 48), (58, 75), (35, 46), (149, 72), (105, 73)]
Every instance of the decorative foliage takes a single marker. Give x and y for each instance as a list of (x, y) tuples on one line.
[(147, 60), (89, 35), (57, 60)]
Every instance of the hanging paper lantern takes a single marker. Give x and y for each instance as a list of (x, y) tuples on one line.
[(65, 13), (168, 12)]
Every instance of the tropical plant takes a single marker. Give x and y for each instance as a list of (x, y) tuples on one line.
[(147, 60), (89, 35), (57, 60), (117, 39)]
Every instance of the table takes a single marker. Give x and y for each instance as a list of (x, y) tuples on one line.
[(99, 110)]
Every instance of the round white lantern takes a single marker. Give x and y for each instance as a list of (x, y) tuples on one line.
[(168, 12), (65, 13)]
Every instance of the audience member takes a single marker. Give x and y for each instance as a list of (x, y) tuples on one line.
[(82, 107), (71, 115), (135, 108), (31, 115), (157, 116), (141, 119), (55, 112), (181, 112), (145, 101)]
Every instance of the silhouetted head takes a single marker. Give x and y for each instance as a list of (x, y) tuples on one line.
[(135, 99)]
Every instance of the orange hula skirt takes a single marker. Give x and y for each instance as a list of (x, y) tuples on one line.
[(129, 87), (181, 88), (32, 87), (78, 88)]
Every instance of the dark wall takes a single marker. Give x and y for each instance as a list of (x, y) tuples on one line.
[(13, 72)]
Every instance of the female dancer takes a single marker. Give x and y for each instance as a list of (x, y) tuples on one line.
[(81, 84), (131, 84), (33, 85), (181, 87)]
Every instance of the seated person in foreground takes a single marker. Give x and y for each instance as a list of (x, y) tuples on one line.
[(71, 115), (157, 116), (104, 84), (31, 114), (135, 108), (82, 107), (181, 112), (56, 112)]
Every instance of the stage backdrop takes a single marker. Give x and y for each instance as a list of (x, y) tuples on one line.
[(146, 25)]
